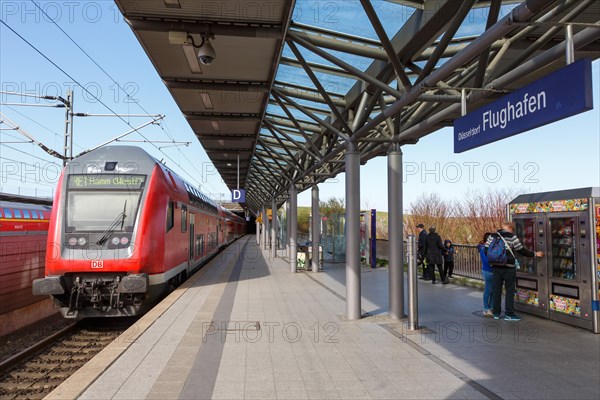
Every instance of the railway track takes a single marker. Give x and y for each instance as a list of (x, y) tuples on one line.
[(35, 372)]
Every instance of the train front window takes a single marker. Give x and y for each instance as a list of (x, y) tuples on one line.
[(96, 210)]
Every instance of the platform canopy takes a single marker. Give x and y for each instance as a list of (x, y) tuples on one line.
[(287, 97)]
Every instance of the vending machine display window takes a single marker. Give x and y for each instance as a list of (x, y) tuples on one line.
[(526, 234), (564, 283), (564, 263)]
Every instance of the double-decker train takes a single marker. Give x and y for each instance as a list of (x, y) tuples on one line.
[(125, 230), (23, 235)]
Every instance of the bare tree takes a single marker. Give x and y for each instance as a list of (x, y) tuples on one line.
[(484, 211), (430, 210), (463, 221)]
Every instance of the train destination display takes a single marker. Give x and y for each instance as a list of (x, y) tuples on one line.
[(106, 181)]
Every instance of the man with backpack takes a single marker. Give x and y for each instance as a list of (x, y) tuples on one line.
[(500, 249)]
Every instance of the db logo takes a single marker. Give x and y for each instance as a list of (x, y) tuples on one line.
[(97, 264)]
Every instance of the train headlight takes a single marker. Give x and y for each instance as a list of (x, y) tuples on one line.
[(115, 241), (124, 240), (81, 241), (72, 241)]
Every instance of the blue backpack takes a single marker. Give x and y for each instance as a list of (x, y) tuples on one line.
[(496, 253)]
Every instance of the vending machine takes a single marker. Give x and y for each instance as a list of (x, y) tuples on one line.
[(564, 285)]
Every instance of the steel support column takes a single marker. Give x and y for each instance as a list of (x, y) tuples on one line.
[(293, 228), (265, 224), (395, 233), (273, 228), (316, 229), (287, 228), (353, 303), (257, 233), (413, 298)]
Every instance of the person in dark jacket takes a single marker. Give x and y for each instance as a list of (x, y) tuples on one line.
[(507, 274), (448, 259), (421, 250), (433, 254)]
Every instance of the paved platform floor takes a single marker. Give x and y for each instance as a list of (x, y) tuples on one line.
[(244, 327)]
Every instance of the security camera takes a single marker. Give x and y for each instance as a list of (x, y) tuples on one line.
[(206, 53)]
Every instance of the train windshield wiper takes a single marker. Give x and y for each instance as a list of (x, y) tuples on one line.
[(119, 219)]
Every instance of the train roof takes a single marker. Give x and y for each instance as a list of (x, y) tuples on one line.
[(129, 160), (24, 206), (25, 200)]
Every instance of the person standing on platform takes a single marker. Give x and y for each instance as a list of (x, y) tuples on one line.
[(433, 254), (421, 250), (449, 252), (506, 273), (486, 271)]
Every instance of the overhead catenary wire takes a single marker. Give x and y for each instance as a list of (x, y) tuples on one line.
[(27, 154), (48, 150), (56, 134), (90, 93), (169, 135)]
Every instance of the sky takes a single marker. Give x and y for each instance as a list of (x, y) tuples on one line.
[(43, 52)]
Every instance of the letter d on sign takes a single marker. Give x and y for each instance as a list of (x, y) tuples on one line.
[(238, 196)]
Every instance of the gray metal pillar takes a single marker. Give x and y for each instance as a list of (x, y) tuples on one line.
[(287, 228), (413, 306), (570, 46), (395, 233), (273, 228), (353, 304), (264, 231), (258, 233), (316, 228), (293, 228)]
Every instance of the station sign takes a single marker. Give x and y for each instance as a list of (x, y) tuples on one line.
[(238, 196), (556, 96)]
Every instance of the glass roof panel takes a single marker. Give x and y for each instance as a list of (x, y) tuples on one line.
[(349, 17)]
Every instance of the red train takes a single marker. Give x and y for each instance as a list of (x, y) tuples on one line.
[(124, 231), (23, 234)]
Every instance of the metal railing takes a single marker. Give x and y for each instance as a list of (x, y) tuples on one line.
[(466, 259), (467, 262)]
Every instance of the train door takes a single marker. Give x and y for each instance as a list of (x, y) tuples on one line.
[(192, 242), (531, 294), (217, 229), (569, 274)]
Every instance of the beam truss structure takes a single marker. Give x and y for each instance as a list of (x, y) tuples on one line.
[(415, 80), (245, 106)]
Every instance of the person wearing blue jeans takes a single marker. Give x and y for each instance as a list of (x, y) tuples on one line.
[(486, 271), (507, 273)]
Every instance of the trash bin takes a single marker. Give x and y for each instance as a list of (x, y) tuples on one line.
[(304, 256)]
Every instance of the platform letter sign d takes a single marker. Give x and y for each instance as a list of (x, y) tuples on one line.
[(238, 196)]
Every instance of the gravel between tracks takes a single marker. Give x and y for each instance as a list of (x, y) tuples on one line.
[(39, 375), (26, 337)]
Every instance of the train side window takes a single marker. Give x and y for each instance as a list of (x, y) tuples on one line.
[(17, 213), (183, 218), (170, 216), (26, 214), (34, 214), (7, 213)]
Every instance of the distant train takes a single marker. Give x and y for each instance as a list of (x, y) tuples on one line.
[(23, 235), (125, 230)]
